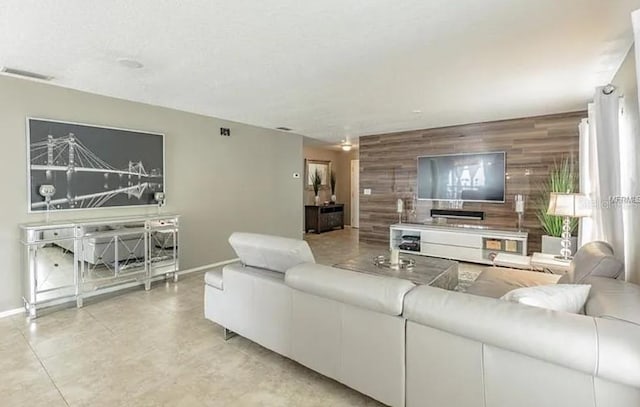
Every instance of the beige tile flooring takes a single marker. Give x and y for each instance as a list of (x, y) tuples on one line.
[(154, 348)]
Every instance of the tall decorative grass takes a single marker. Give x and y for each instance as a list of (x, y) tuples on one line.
[(316, 180), (562, 178), (333, 180)]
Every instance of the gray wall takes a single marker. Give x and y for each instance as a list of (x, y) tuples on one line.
[(626, 82), (219, 184)]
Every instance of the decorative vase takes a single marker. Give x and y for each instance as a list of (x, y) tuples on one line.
[(553, 245), (316, 199), (333, 198)]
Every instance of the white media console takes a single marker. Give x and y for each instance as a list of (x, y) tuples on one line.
[(472, 243)]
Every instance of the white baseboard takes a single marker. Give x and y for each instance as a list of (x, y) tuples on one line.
[(21, 310), (208, 266), (11, 312)]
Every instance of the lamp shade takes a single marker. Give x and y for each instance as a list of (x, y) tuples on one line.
[(572, 205)]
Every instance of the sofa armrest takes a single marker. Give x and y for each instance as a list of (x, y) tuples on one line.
[(614, 299), (565, 339), (380, 294), (595, 259), (214, 279)]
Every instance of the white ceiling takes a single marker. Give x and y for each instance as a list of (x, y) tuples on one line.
[(328, 69)]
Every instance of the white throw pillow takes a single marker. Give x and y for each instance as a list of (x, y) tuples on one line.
[(557, 297)]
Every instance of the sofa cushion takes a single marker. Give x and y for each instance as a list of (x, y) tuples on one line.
[(273, 253), (595, 259), (532, 331), (613, 299), (214, 278), (557, 297), (376, 293), (495, 282)]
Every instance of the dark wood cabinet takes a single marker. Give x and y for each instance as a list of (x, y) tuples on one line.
[(322, 218)]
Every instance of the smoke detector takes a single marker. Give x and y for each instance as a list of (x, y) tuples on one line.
[(130, 63)]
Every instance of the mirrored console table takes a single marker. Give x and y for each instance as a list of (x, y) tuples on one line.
[(68, 261)]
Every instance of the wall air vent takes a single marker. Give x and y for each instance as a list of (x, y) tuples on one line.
[(283, 128), (25, 74)]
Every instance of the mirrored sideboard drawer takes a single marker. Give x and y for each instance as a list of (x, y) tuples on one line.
[(46, 235)]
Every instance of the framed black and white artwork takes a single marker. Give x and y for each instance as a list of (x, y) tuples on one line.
[(91, 166), (324, 170)]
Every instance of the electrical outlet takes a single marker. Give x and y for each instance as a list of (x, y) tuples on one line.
[(367, 191), (224, 131)]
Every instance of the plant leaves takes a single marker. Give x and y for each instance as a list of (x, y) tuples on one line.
[(562, 178)]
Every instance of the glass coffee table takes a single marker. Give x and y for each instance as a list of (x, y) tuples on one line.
[(426, 270)]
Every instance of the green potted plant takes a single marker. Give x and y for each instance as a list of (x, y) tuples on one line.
[(562, 178), (316, 181), (333, 186)]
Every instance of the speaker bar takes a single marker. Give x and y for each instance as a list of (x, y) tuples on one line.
[(457, 214)]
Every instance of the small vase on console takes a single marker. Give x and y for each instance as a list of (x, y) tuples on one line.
[(332, 181), (316, 200)]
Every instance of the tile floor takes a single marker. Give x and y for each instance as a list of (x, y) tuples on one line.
[(154, 348)]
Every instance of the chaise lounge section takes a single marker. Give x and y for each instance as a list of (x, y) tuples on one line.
[(508, 354), (343, 324)]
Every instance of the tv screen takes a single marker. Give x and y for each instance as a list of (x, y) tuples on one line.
[(467, 177)]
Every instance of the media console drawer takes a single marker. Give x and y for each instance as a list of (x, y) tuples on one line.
[(452, 252), (451, 238)]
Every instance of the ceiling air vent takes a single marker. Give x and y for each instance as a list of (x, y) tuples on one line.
[(283, 128), (25, 74)]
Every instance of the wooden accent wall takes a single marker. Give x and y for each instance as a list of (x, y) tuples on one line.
[(388, 166)]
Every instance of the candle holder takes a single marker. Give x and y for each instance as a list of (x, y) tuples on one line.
[(519, 206), (400, 209)]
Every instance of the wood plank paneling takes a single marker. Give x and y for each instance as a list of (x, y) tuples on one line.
[(533, 145)]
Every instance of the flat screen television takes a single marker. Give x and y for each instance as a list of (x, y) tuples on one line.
[(477, 177)]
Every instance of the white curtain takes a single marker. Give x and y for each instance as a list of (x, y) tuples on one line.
[(629, 173), (630, 145), (590, 228), (600, 169), (609, 182)]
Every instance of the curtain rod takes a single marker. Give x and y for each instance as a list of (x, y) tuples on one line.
[(608, 89)]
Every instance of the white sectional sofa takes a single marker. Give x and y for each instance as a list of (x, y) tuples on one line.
[(423, 346)]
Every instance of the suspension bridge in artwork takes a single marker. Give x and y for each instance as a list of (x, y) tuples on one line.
[(67, 154)]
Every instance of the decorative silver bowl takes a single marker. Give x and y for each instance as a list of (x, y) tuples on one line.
[(382, 261)]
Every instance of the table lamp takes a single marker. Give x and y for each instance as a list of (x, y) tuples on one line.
[(47, 192), (567, 205)]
